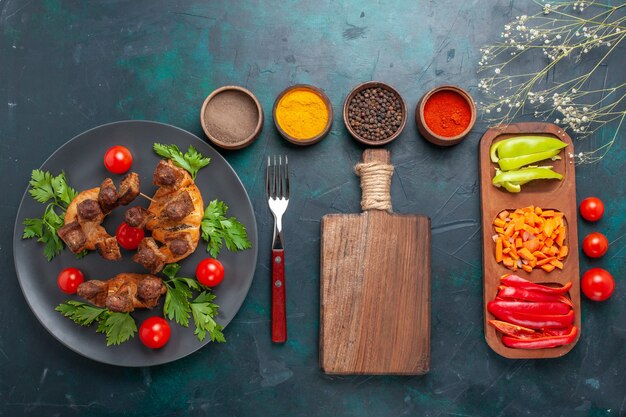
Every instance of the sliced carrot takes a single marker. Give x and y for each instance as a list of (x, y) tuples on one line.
[(548, 268), (506, 250), (509, 231), (547, 213), (499, 250), (563, 252), (499, 230), (548, 242), (548, 228), (539, 255), (507, 261), (545, 261), (553, 251), (532, 245), (503, 214), (538, 210), (527, 268), (525, 253), (499, 222), (560, 240), (557, 263), (519, 243)]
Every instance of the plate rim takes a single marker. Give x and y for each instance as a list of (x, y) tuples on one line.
[(17, 236)]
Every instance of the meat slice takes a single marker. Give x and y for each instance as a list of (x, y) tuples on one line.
[(95, 291), (108, 248), (136, 217), (178, 246), (167, 174), (129, 189), (149, 256), (89, 210), (124, 292), (179, 207), (107, 196), (73, 236)]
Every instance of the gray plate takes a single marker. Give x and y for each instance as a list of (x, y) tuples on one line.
[(81, 159)]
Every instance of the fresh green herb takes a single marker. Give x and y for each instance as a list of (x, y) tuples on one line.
[(192, 160), (118, 327), (57, 194), (216, 228), (179, 306)]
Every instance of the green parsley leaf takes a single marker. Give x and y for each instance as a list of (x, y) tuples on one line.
[(81, 313), (192, 160), (171, 270), (44, 188), (118, 327), (33, 228), (177, 302), (180, 307), (217, 229), (204, 311)]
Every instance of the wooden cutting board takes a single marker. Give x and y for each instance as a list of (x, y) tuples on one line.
[(375, 291)]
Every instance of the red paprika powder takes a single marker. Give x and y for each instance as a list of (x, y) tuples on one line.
[(447, 113)]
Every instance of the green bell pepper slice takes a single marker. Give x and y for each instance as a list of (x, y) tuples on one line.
[(523, 145), (508, 164), (513, 180)]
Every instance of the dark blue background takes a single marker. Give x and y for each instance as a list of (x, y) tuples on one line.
[(68, 66)]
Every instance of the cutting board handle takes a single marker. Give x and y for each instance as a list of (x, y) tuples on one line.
[(375, 171)]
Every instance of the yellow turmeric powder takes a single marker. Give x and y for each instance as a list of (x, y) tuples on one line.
[(302, 113)]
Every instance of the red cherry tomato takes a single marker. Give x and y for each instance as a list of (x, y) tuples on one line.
[(154, 332), (129, 237), (595, 245), (118, 159), (597, 284), (69, 279), (592, 209), (210, 272)]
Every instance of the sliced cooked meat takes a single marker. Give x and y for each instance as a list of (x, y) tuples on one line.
[(149, 256), (167, 174), (95, 291), (107, 196), (108, 248), (178, 247), (120, 302), (124, 292), (179, 207), (73, 236), (136, 217), (129, 189), (150, 289), (89, 210)]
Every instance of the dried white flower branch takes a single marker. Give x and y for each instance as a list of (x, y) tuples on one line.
[(561, 36)]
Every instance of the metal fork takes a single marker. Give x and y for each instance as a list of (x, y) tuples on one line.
[(277, 190)]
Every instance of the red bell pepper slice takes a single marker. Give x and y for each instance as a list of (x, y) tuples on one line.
[(513, 330), (542, 342), (557, 332), (534, 321), (519, 282), (549, 308), (528, 295)]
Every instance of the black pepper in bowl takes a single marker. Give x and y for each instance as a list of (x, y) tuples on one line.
[(374, 113)]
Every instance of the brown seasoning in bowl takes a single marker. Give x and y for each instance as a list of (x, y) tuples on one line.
[(231, 116)]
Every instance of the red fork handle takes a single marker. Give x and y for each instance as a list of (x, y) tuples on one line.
[(279, 315)]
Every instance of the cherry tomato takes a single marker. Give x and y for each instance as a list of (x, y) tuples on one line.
[(118, 159), (210, 272), (129, 237), (154, 332), (69, 279), (595, 245), (597, 284), (592, 209)]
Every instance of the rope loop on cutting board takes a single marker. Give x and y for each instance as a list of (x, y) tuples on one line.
[(375, 185)]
